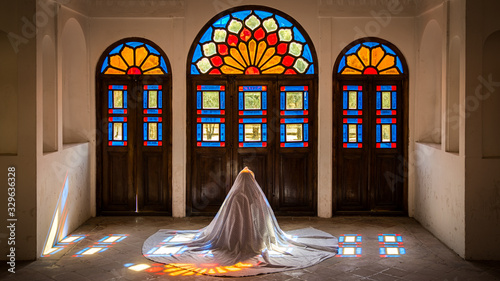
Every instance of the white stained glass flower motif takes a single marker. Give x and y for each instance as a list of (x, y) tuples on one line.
[(252, 22), (220, 35), (295, 49), (301, 65), (270, 25), (285, 35), (204, 65), (209, 49), (234, 26)]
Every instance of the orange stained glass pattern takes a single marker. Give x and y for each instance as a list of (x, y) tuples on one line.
[(252, 42), (370, 58), (134, 58)]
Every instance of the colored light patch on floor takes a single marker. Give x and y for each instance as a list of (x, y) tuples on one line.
[(349, 251), (185, 269), (165, 251), (68, 240), (90, 251), (112, 239), (391, 245), (350, 239), (137, 267), (179, 238)]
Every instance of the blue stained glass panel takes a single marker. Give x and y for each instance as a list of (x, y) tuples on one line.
[(282, 133), (282, 22), (388, 50), (264, 132), (352, 88), (160, 131), (210, 120), (194, 70), (311, 69), (352, 121), (379, 100), (198, 100), (298, 36), (240, 103), (344, 133), (134, 44), (282, 101), (222, 100), (145, 131), (360, 100), (110, 99), (345, 100), (353, 50), (341, 64), (163, 65), (116, 50), (352, 145), (152, 50), (240, 132), (198, 132), (386, 88), (378, 130), (360, 133), (385, 145), (222, 22), (307, 53), (252, 88), (125, 131), (105, 64), (145, 99), (110, 131), (253, 144), (394, 104), (393, 133), (306, 100), (263, 14), (399, 64), (223, 132), (296, 144), (211, 87), (295, 120), (160, 99), (294, 88), (386, 120), (386, 112), (371, 44), (252, 120), (207, 36), (211, 144), (264, 100), (306, 132), (242, 14), (124, 99)]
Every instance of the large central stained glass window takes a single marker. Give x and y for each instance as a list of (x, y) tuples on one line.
[(252, 97)]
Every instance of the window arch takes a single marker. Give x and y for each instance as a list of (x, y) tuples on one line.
[(370, 102), (252, 41), (133, 113), (252, 101)]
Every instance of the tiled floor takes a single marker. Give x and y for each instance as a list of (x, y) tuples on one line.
[(426, 258)]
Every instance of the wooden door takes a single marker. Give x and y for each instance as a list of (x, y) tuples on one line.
[(369, 161), (134, 152), (233, 123)]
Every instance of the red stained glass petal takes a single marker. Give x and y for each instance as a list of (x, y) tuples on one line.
[(216, 61), (215, 71), (232, 40), (245, 34), (290, 71), (282, 48), (288, 60), (370, 70), (252, 70), (272, 39), (222, 49), (259, 34), (134, 71)]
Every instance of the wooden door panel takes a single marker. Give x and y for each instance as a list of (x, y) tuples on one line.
[(153, 190), (119, 196), (295, 192), (210, 182), (258, 163), (387, 189), (352, 183)]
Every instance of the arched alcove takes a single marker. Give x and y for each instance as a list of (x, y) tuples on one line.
[(453, 96), (9, 96), (429, 71), (491, 96), (49, 80), (75, 90), (252, 101)]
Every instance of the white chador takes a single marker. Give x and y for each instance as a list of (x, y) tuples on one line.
[(244, 230)]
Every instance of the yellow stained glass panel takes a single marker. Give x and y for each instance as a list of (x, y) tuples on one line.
[(391, 70), (152, 131), (128, 55), (353, 100), (386, 62), (230, 70), (353, 133), (140, 54), (267, 55), (377, 54), (117, 131), (260, 51), (253, 132), (210, 132), (364, 55), (152, 99), (294, 100), (151, 61), (293, 132), (117, 62), (244, 52), (350, 71), (386, 133), (154, 71), (274, 70), (232, 62), (272, 62), (117, 99), (237, 56), (386, 100), (113, 71), (252, 47), (354, 62)]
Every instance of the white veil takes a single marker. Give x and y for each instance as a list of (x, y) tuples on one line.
[(244, 232)]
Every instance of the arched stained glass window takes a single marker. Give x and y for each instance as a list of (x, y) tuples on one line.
[(134, 58), (370, 58), (252, 42)]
